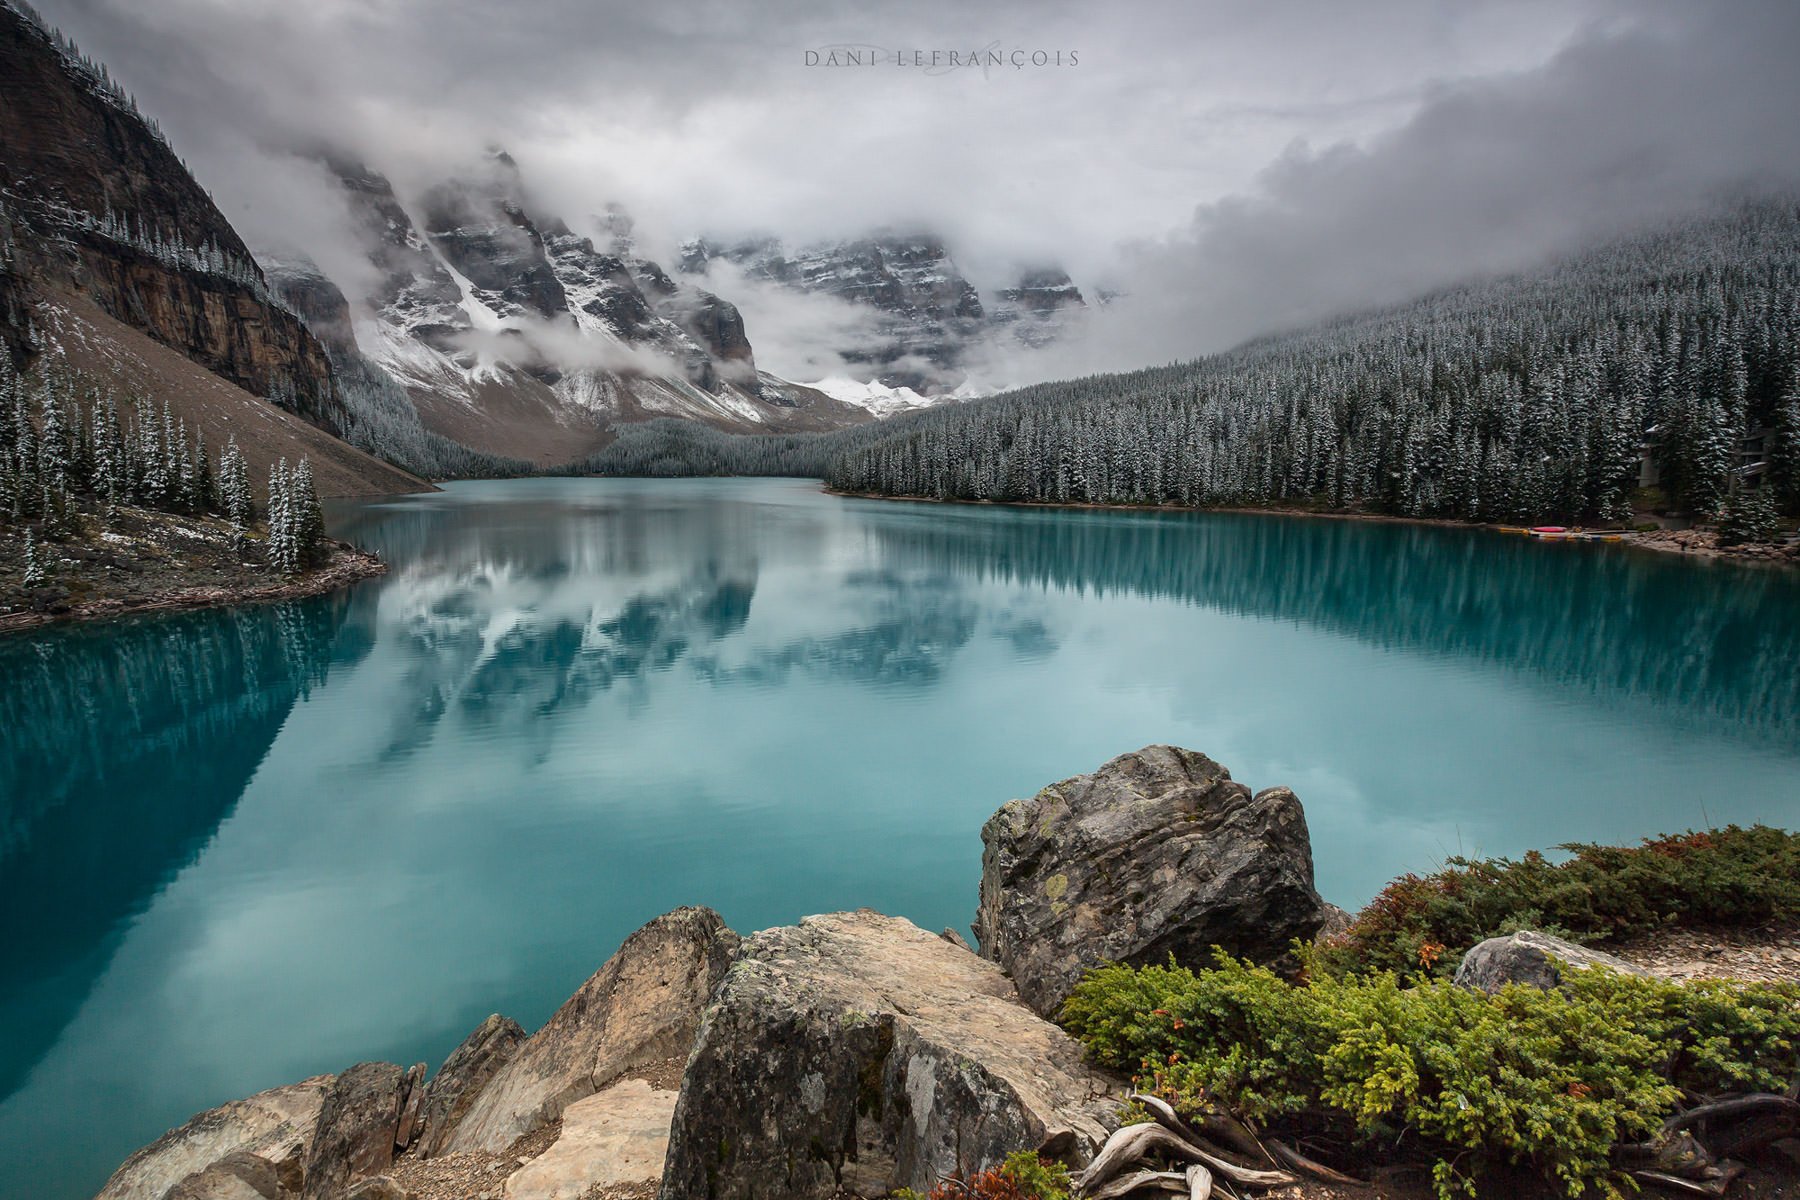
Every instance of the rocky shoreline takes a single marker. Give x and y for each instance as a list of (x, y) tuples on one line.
[(849, 1055), (346, 565)]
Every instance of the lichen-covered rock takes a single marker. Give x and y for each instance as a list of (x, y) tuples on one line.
[(354, 1139), (1532, 958), (1156, 853), (857, 1051), (275, 1125), (454, 1088), (641, 1008)]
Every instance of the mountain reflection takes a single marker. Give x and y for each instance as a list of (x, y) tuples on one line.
[(914, 626), (122, 748), (553, 602)]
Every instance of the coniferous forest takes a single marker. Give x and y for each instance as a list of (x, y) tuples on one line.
[(71, 455), (1662, 371), (1671, 359)]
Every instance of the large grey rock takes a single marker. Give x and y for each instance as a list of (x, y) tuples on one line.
[(1532, 958), (1156, 853), (641, 1008), (454, 1088), (275, 1125), (619, 1135), (237, 1176), (354, 1139), (857, 1051)]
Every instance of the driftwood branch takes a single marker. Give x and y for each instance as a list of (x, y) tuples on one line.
[(1138, 1157), (1761, 1103), (1694, 1187), (1214, 1127), (1124, 1185), (1132, 1145), (1290, 1157)]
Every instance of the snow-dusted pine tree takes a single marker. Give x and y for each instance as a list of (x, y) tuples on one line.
[(307, 515), (35, 573), (284, 553)]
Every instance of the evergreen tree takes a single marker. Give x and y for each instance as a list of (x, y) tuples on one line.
[(308, 516), (236, 500), (35, 573), (1784, 449), (284, 552)]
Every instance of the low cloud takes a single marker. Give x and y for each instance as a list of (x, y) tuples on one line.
[(1232, 168), (532, 342), (1621, 131)]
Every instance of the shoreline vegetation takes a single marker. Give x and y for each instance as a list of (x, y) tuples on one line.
[(120, 586), (1468, 1033), (1694, 542), (344, 565), (107, 508)]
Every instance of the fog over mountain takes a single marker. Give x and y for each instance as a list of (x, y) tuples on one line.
[(1225, 169)]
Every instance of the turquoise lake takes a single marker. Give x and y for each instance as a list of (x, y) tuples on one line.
[(240, 848)]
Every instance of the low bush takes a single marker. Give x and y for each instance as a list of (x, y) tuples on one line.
[(1420, 925), (1548, 1082), (1023, 1176)]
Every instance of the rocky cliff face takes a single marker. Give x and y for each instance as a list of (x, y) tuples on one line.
[(1038, 307), (518, 335), (100, 203), (927, 321)]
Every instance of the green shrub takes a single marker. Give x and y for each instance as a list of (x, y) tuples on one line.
[(1023, 1176), (1547, 1081), (1730, 876)]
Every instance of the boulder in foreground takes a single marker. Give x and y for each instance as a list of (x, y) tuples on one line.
[(1156, 853), (643, 1006), (275, 1126), (358, 1130), (1532, 958), (858, 1052), (470, 1066), (617, 1136)]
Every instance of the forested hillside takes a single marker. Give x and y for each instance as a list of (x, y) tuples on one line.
[(1529, 396)]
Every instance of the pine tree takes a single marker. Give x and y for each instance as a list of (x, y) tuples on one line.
[(236, 499), (35, 573), (1784, 449), (284, 549), (307, 514)]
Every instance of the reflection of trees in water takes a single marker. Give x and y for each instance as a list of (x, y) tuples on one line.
[(122, 748), (1714, 640)]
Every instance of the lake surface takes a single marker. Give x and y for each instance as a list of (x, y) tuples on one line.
[(240, 848)]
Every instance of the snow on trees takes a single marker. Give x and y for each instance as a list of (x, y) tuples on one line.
[(1534, 396)]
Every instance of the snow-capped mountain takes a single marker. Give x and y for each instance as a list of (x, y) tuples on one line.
[(883, 400), (928, 323), (515, 335)]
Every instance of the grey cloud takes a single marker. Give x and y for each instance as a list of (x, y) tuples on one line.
[(1338, 154), (1623, 129)]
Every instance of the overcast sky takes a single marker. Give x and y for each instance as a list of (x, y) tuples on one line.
[(1236, 167)]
